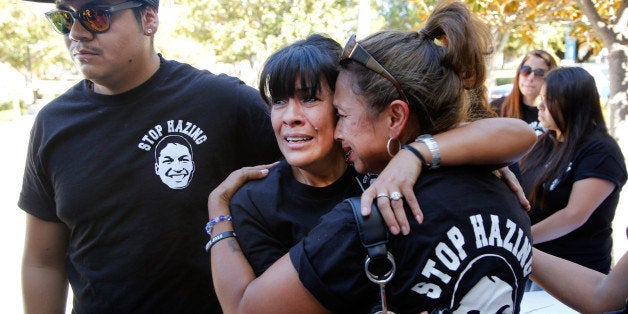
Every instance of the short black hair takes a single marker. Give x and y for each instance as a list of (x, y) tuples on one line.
[(171, 139), (311, 60)]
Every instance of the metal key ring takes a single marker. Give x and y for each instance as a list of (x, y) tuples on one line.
[(385, 277)]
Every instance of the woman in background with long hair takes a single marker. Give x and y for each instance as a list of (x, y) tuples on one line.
[(521, 102), (575, 172)]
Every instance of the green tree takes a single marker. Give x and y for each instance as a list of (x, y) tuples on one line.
[(252, 29), (27, 43), (400, 14)]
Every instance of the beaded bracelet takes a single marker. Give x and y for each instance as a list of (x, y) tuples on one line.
[(217, 238), (212, 222), (417, 154)]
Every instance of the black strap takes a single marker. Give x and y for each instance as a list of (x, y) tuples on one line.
[(373, 232), (374, 236)]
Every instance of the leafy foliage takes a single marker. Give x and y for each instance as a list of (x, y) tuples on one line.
[(28, 43), (401, 14), (252, 30), (236, 31)]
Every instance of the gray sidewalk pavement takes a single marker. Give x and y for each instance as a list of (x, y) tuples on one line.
[(14, 138)]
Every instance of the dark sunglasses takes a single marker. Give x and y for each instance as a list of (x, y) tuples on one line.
[(526, 70), (96, 19), (353, 51)]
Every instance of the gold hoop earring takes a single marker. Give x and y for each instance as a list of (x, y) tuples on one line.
[(388, 146)]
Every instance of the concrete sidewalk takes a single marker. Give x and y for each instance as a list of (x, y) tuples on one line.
[(14, 139)]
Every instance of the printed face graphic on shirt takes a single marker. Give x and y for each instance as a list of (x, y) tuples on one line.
[(476, 300), (174, 162), (471, 295)]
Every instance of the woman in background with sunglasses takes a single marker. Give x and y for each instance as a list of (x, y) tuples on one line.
[(393, 87), (521, 102), (575, 172)]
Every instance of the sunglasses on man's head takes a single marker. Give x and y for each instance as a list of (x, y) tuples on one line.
[(526, 70), (96, 19), (353, 51)]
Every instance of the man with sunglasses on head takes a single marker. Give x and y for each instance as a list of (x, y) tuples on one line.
[(97, 215)]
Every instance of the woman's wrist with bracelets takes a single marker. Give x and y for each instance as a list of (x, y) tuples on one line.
[(212, 222), (433, 147), (416, 153), (219, 237), (422, 149)]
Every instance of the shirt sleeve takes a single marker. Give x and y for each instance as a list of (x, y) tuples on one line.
[(258, 135), (36, 196), (601, 159), (261, 246), (330, 263)]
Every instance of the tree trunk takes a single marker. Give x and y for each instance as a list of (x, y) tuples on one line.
[(497, 59), (615, 38), (618, 72)]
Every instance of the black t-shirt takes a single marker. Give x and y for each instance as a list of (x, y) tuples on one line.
[(529, 114), (129, 175), (590, 245), (475, 238), (273, 214)]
